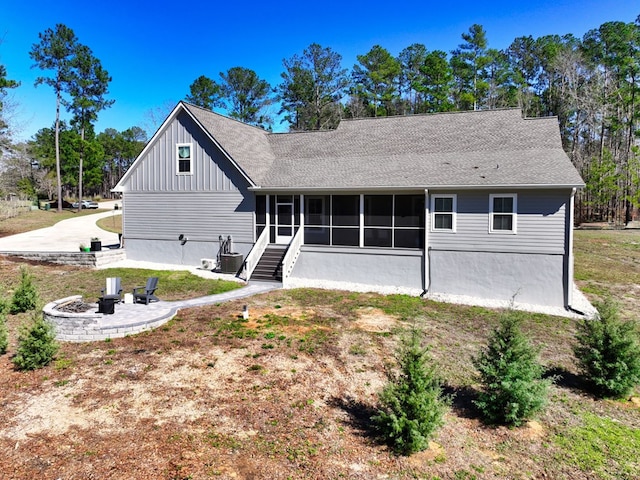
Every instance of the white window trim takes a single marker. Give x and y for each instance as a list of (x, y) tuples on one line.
[(514, 213), (454, 213), (178, 172)]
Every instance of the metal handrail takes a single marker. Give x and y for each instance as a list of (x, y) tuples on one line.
[(292, 255), (256, 252)]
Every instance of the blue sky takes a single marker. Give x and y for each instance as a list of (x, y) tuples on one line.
[(155, 50)]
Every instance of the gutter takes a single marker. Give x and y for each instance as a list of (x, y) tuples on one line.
[(396, 188)]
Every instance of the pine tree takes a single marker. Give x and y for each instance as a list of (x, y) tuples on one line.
[(36, 344), (26, 296), (608, 352), (4, 335), (511, 376), (412, 403)]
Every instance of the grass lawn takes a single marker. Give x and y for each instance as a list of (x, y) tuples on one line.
[(289, 392)]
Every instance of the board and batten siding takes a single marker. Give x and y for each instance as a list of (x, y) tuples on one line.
[(160, 205), (541, 224), (211, 169)]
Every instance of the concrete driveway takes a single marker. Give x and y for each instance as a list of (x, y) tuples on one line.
[(64, 236)]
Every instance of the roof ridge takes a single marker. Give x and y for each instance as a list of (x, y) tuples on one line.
[(433, 114), (226, 117)]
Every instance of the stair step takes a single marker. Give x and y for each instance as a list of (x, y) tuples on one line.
[(269, 266)]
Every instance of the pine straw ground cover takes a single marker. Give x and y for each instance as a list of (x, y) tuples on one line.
[(288, 394)]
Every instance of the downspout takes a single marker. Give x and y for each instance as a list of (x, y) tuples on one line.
[(570, 259), (427, 263)]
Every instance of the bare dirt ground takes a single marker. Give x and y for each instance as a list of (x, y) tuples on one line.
[(286, 394)]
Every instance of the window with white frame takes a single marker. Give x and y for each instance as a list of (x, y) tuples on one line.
[(443, 212), (184, 156), (503, 209)]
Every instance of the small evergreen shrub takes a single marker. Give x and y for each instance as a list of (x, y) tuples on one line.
[(4, 336), (512, 386), (25, 297), (36, 344), (5, 305), (412, 405), (608, 352)]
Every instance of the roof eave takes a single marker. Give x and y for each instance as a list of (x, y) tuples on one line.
[(217, 144), (421, 187), (129, 172)]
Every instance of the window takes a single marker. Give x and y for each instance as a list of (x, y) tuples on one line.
[(503, 209), (317, 221), (184, 158), (408, 229), (443, 212), (345, 210), (261, 214), (378, 219)]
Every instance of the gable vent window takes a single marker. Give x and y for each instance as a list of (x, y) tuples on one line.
[(184, 155), (503, 210)]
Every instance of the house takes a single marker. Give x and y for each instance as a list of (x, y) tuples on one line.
[(478, 204)]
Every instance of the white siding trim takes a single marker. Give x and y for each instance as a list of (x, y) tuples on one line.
[(427, 227), (301, 217), (569, 285), (361, 225)]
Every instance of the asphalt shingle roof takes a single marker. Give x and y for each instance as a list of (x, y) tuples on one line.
[(484, 148)]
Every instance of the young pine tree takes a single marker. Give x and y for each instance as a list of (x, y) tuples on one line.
[(36, 344), (412, 405), (25, 297), (4, 336), (511, 376), (608, 352)]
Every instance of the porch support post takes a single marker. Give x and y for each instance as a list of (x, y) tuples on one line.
[(302, 217), (361, 229), (427, 264), (267, 224)]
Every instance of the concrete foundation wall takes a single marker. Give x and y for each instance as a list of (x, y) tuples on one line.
[(375, 267), (528, 278), (174, 253)]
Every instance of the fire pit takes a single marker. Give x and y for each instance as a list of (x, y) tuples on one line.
[(75, 306), (78, 321)]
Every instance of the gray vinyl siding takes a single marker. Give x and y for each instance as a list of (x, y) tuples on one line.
[(211, 169), (160, 205), (201, 216), (541, 224)]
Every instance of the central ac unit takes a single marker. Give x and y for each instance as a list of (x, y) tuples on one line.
[(208, 263)]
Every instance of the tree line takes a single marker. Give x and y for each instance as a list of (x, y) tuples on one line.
[(592, 84), (67, 160)]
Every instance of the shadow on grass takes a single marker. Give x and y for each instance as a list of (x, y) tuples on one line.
[(462, 398), (563, 378), (360, 414)]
